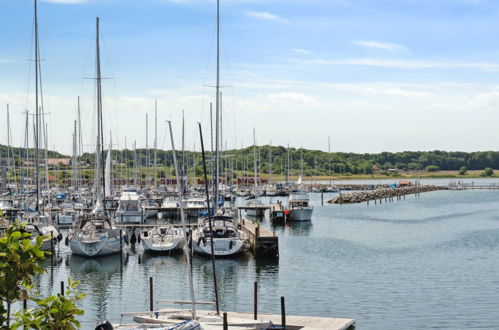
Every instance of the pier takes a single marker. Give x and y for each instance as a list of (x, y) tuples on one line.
[(262, 241), (291, 321)]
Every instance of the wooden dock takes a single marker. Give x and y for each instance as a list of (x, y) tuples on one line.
[(292, 321), (263, 242)]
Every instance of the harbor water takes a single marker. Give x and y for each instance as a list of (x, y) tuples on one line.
[(423, 262)]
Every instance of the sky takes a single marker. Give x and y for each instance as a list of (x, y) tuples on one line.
[(374, 75)]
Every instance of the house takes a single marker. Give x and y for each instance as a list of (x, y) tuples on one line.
[(405, 183), (59, 161)]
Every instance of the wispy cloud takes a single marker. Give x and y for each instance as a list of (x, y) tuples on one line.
[(266, 16), (66, 2), (380, 45), (406, 64), (302, 51)]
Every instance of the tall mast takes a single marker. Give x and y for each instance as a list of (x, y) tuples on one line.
[(182, 169), (99, 171), (155, 139), (287, 167), (80, 137), (270, 163), (147, 148), (75, 173), (8, 139), (329, 156), (254, 160), (217, 113), (37, 142)]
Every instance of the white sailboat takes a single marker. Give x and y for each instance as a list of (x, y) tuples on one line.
[(162, 238), (94, 235)]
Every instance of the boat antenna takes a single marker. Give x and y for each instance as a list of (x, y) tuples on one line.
[(210, 217)]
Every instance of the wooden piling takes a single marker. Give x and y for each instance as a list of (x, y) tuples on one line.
[(62, 288), (283, 313), (225, 324), (255, 300), (151, 295)]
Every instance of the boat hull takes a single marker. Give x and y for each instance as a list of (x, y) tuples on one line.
[(95, 248), (304, 214), (223, 247), (162, 247)]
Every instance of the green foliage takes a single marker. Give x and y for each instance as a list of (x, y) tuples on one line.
[(487, 172), (20, 261), (432, 168), (463, 170), (53, 312)]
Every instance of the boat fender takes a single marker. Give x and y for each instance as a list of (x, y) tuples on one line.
[(125, 238), (146, 234), (59, 237), (105, 325), (138, 238), (133, 239), (66, 241)]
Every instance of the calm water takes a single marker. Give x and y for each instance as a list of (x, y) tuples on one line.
[(426, 262)]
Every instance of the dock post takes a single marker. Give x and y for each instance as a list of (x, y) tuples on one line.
[(283, 313), (62, 288), (255, 301), (151, 295), (225, 324), (52, 243), (322, 197)]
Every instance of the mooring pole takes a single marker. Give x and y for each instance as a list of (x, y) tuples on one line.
[(62, 288), (255, 301), (283, 313), (151, 295), (226, 324)]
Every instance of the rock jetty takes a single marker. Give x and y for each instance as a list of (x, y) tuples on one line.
[(382, 194)]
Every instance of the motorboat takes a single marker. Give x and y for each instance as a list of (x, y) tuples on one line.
[(299, 208)]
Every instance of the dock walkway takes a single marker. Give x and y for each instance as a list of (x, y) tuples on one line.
[(263, 242), (292, 321)]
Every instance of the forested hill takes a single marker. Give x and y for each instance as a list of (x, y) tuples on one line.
[(314, 161)]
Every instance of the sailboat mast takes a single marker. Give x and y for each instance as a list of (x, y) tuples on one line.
[(37, 156), (254, 160), (270, 163), (287, 167), (147, 149), (80, 137), (155, 140), (100, 139), (217, 113)]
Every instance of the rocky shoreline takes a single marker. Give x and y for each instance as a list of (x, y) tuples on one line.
[(382, 194)]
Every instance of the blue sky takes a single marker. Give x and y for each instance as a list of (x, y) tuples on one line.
[(384, 75)]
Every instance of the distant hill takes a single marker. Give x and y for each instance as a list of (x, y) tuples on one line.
[(315, 162)]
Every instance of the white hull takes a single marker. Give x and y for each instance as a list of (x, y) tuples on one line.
[(128, 218), (65, 219), (223, 247), (304, 214), (168, 245), (95, 247)]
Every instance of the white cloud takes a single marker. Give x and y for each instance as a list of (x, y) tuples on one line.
[(266, 16), (380, 45), (405, 64), (302, 51)]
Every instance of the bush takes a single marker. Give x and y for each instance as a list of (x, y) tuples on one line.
[(487, 172), (463, 170), (432, 168)]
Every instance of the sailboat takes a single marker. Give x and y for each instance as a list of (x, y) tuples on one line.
[(94, 235), (219, 230), (299, 208)]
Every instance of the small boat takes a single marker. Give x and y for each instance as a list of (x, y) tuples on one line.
[(227, 240), (129, 208), (162, 238), (68, 215), (39, 227), (299, 208)]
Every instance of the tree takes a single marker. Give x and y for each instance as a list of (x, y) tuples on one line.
[(463, 170), (20, 260), (487, 172), (54, 312), (432, 168)]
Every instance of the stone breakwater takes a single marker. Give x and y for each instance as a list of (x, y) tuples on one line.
[(382, 194)]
